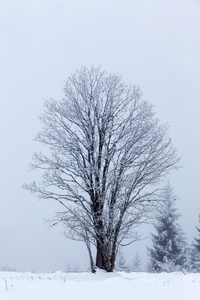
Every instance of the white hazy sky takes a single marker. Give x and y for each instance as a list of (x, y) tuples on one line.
[(152, 43)]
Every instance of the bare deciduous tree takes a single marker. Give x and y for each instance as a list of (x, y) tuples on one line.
[(107, 153)]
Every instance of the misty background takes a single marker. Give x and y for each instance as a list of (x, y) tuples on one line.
[(155, 44)]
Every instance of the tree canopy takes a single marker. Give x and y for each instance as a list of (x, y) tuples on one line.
[(106, 153)]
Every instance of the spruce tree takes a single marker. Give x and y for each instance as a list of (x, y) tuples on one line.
[(136, 264), (121, 262), (197, 240), (194, 259), (168, 252), (195, 253)]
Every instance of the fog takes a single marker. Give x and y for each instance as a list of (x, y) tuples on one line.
[(155, 44)]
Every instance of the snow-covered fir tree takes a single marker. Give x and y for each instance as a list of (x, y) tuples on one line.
[(121, 264), (194, 259), (169, 250), (197, 240), (136, 265)]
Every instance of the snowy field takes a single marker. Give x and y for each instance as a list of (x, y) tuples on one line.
[(100, 286)]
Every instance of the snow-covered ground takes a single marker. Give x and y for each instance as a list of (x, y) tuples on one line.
[(99, 286)]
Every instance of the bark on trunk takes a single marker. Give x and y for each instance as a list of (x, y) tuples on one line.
[(90, 256), (100, 260), (103, 260)]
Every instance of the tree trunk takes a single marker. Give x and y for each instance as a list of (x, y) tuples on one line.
[(103, 260), (87, 242), (100, 263)]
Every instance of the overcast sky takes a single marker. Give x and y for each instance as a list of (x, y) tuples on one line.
[(152, 43)]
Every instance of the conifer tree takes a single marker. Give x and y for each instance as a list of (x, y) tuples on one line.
[(194, 259), (197, 240), (195, 253), (168, 252), (136, 263), (121, 262)]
